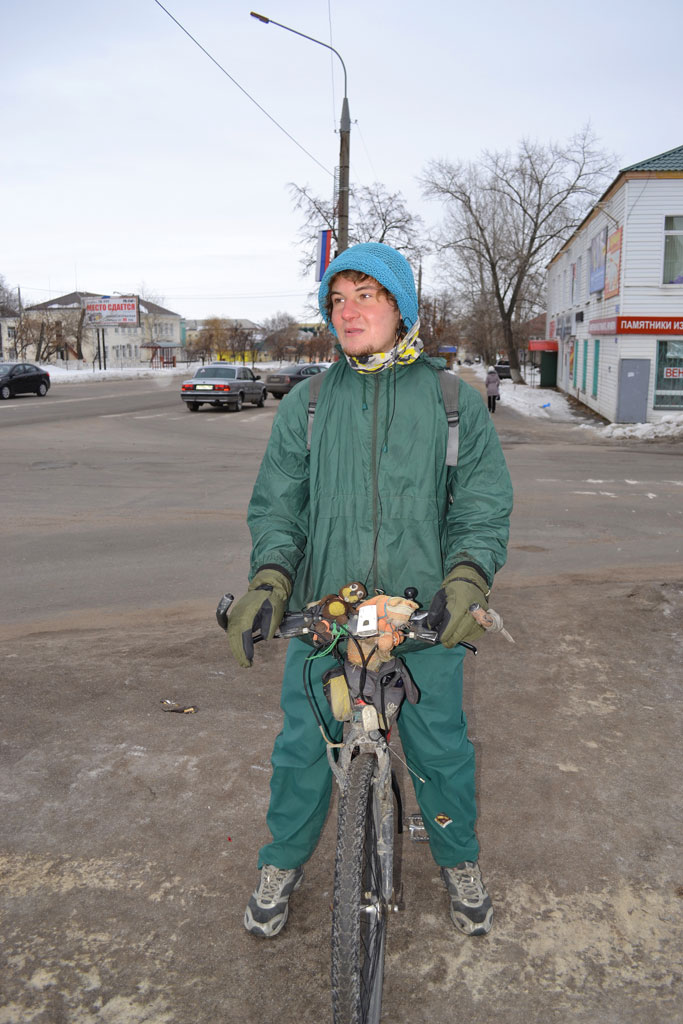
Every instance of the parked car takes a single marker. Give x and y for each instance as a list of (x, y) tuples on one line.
[(23, 379), (283, 380), (502, 368), (222, 384)]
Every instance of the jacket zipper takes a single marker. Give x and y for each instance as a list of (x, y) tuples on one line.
[(375, 475)]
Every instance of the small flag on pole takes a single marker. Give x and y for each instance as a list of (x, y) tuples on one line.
[(323, 258)]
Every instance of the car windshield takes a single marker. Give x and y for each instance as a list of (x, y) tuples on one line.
[(6, 366), (216, 371)]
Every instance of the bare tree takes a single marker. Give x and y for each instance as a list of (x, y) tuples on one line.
[(38, 337), (375, 215), (280, 333), (214, 337), (321, 345), (240, 342), (508, 215), (9, 299), (439, 322)]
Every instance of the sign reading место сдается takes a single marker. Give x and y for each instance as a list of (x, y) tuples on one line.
[(112, 311)]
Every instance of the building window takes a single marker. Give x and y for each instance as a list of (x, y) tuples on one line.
[(596, 364), (669, 383), (673, 250)]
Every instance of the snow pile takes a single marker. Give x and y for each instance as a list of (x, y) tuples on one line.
[(62, 375), (540, 402), (670, 425)]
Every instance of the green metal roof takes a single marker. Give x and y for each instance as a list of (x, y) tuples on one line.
[(672, 160)]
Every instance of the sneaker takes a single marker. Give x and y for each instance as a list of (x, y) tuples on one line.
[(267, 910), (471, 908)]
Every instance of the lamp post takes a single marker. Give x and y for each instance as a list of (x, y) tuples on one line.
[(344, 144)]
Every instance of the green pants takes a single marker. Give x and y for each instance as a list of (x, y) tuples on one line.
[(434, 738)]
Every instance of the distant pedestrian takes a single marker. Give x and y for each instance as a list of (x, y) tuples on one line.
[(492, 388)]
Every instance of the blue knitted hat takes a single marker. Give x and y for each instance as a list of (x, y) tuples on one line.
[(386, 265)]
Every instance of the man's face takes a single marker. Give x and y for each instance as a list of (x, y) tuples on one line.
[(363, 317)]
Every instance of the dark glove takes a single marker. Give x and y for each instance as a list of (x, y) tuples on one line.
[(449, 612), (261, 608)]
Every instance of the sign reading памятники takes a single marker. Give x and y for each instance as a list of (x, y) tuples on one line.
[(637, 325), (112, 311)]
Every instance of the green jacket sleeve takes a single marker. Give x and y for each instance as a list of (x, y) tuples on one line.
[(278, 510), (480, 491)]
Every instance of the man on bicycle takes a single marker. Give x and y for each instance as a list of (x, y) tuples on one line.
[(373, 499)]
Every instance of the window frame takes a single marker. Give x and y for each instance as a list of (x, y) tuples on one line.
[(671, 232)]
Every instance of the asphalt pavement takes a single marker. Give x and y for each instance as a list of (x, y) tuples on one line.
[(128, 835)]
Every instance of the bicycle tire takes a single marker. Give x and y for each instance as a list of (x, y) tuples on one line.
[(360, 912)]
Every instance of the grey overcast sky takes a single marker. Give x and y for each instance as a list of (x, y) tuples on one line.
[(128, 159)]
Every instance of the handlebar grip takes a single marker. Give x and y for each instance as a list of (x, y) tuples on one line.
[(222, 610)]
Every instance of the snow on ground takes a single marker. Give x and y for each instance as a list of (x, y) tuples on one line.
[(549, 404), (543, 403)]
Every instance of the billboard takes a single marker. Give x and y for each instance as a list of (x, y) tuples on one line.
[(612, 264), (597, 255), (112, 311)]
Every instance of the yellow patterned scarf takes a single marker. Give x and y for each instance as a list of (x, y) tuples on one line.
[(405, 351)]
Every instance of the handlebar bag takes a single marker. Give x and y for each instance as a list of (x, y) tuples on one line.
[(386, 688)]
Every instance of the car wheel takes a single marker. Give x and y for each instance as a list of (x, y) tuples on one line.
[(42, 389), (237, 404), (279, 396), (5, 391), (261, 401), (192, 406)]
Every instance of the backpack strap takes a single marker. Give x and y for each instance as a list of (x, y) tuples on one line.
[(314, 385), (450, 386)]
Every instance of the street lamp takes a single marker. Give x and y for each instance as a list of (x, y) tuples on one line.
[(345, 140)]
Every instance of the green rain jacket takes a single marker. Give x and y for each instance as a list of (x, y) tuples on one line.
[(374, 500)]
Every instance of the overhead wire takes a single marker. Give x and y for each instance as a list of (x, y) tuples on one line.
[(242, 89)]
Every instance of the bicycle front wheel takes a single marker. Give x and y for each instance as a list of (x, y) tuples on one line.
[(359, 917)]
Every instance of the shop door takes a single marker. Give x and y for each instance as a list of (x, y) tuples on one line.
[(548, 369), (634, 381)]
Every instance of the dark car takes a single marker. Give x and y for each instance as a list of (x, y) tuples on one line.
[(502, 368), (223, 384), (23, 379), (282, 381)]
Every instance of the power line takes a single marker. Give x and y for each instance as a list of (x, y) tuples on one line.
[(235, 82)]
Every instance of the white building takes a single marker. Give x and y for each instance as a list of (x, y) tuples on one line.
[(615, 297), (159, 338)]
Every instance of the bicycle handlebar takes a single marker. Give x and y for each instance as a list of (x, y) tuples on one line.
[(303, 623)]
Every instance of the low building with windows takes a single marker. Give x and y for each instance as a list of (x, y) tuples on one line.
[(8, 337), (615, 297), (58, 333)]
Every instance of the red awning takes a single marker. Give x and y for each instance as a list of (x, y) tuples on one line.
[(543, 346)]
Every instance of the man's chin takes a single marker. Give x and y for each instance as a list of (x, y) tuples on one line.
[(353, 347)]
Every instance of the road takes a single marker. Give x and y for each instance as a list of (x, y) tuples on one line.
[(129, 835)]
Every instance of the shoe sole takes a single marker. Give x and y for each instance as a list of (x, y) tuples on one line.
[(468, 927)]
